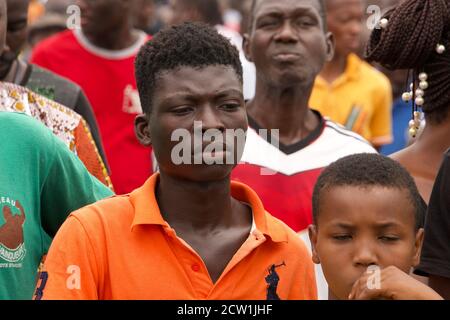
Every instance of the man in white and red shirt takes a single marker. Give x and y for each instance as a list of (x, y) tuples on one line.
[(289, 44), (284, 177), (100, 58)]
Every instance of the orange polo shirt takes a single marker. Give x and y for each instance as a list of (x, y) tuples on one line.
[(122, 248)]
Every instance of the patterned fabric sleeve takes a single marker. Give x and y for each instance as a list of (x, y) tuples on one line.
[(66, 124), (87, 151)]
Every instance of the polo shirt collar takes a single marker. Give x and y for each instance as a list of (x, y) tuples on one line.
[(147, 211), (353, 66)]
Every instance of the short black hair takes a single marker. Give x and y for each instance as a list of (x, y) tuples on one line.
[(369, 170), (322, 13), (190, 44)]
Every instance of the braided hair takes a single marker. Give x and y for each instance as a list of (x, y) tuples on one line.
[(409, 41)]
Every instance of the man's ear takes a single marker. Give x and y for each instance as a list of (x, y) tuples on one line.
[(246, 46), (331, 44), (142, 130), (418, 247), (312, 230)]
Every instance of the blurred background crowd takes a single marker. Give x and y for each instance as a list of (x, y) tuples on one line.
[(47, 17)]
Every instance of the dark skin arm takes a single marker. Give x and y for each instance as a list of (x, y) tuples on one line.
[(441, 285)]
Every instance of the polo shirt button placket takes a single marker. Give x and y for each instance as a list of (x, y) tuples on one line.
[(201, 294)]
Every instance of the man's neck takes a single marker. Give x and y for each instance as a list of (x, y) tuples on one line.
[(434, 140), (285, 109), (195, 206), (335, 68), (121, 39)]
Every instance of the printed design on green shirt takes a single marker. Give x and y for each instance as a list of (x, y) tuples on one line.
[(12, 247)]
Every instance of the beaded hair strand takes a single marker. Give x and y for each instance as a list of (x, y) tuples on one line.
[(416, 35)]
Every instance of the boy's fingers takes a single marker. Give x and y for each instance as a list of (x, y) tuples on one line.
[(354, 293), (362, 291), (369, 294)]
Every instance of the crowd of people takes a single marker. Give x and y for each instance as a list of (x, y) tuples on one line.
[(120, 123)]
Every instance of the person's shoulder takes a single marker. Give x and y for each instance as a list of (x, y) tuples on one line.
[(404, 157), (374, 76), (281, 230), (113, 212), (21, 126), (15, 121), (59, 118), (24, 135), (55, 42), (336, 132), (53, 79), (63, 90)]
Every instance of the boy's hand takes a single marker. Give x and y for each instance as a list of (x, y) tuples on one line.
[(391, 284)]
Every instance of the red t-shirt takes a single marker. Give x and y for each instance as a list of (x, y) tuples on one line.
[(107, 78)]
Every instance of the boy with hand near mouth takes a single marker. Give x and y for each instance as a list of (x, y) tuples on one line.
[(367, 209)]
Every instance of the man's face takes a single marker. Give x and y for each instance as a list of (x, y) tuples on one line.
[(102, 16), (17, 11), (345, 21), (361, 227), (211, 95), (287, 42), (17, 24)]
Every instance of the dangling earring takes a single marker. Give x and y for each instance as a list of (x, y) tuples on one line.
[(416, 95)]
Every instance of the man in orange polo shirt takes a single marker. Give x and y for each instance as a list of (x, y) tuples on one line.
[(188, 232)]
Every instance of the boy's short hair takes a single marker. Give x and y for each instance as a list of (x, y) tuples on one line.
[(369, 170), (190, 44)]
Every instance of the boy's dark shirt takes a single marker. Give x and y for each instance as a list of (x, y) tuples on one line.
[(435, 259)]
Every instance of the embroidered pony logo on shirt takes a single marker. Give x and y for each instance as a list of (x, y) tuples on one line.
[(272, 280), (12, 247)]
